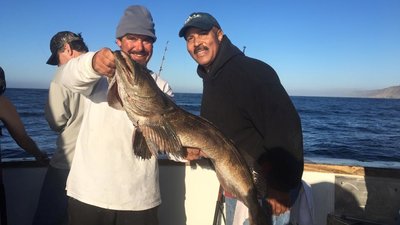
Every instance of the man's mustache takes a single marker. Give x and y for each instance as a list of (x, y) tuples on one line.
[(200, 48)]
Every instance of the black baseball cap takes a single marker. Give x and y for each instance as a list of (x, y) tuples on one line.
[(58, 41), (201, 20)]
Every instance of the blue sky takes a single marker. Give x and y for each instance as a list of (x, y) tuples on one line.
[(317, 47)]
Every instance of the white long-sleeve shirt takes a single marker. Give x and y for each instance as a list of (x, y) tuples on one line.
[(63, 112), (105, 172)]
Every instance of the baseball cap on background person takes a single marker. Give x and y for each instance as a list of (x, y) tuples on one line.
[(136, 20), (201, 20), (57, 43), (2, 81)]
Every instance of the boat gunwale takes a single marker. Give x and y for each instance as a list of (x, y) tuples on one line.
[(310, 167)]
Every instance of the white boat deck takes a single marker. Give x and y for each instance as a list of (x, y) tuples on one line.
[(189, 194)]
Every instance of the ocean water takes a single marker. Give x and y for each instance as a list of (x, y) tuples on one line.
[(347, 131)]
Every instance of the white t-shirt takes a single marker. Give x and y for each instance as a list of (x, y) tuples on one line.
[(105, 172)]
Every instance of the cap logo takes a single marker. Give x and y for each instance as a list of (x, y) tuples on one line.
[(191, 17)]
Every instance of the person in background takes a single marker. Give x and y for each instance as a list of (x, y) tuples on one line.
[(12, 121), (244, 98), (63, 112), (107, 183)]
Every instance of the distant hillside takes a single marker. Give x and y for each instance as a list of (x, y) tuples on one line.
[(390, 92)]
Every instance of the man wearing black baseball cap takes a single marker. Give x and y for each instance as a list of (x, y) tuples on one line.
[(244, 98), (64, 113), (58, 45)]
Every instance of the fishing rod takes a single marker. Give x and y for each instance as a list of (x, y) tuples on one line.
[(162, 60)]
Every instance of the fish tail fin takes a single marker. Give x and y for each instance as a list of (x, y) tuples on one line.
[(259, 213), (258, 216)]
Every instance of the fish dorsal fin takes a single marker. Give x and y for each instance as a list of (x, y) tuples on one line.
[(162, 138), (113, 98)]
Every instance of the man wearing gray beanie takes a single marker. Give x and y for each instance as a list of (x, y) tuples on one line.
[(136, 34), (107, 183)]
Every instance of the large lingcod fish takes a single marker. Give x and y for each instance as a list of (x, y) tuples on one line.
[(162, 126)]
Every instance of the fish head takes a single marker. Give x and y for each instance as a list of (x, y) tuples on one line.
[(134, 77), (134, 90)]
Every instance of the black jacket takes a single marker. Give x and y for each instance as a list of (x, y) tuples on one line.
[(244, 98)]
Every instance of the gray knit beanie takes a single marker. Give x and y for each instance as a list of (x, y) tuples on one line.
[(136, 20)]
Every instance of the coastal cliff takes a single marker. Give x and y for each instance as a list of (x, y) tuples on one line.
[(390, 92)]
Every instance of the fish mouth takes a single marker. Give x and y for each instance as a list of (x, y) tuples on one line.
[(121, 60), (126, 65)]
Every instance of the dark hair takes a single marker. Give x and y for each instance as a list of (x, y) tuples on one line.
[(2, 81), (79, 45)]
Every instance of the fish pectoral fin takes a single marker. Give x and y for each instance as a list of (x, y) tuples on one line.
[(113, 97), (163, 139), (140, 147)]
